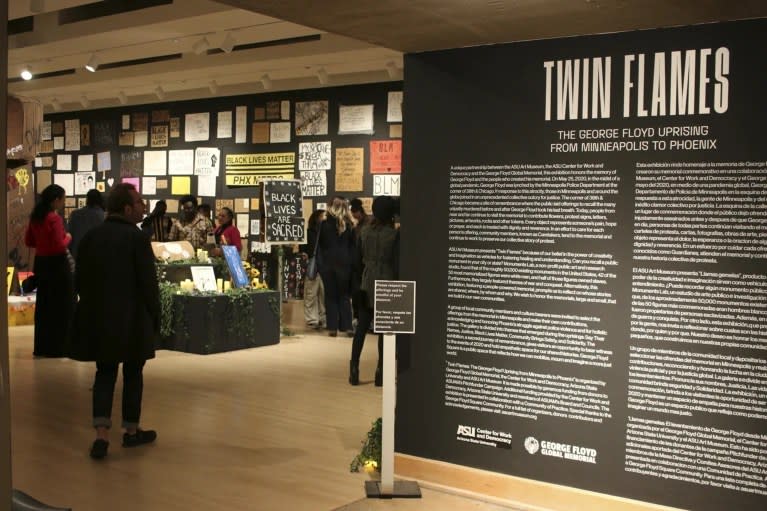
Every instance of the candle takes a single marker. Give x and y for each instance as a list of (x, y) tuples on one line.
[(227, 285), (220, 285)]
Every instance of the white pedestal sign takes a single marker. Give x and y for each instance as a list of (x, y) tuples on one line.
[(394, 313)]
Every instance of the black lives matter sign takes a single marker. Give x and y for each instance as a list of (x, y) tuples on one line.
[(283, 211), (394, 307)]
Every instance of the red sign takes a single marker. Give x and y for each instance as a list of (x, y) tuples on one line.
[(386, 156)]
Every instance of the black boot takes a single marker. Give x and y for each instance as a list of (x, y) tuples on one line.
[(379, 375), (354, 372)]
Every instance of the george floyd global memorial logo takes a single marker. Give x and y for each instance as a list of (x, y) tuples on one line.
[(531, 445)]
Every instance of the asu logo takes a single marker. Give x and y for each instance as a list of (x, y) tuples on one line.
[(531, 445), (467, 431)]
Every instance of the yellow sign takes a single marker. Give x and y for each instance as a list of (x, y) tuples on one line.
[(251, 169)]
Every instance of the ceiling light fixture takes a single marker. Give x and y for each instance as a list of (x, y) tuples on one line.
[(266, 82), (122, 98), (213, 87), (201, 46), (322, 76), (392, 69), (56, 105), (37, 6), (85, 101), (159, 93), (25, 74), (228, 43), (93, 63)]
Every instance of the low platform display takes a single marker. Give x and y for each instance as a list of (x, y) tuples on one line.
[(219, 322)]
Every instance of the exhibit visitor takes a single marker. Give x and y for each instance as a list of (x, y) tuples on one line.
[(53, 274)]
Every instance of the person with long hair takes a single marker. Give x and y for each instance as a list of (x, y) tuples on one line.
[(336, 249), (226, 233), (378, 256), (55, 295)]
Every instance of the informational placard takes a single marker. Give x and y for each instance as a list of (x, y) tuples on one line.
[(394, 307), (234, 263), (282, 204), (597, 293)]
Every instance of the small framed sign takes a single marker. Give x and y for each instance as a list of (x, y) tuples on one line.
[(394, 308), (204, 278)]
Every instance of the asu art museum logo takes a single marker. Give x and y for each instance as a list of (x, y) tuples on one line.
[(560, 450)]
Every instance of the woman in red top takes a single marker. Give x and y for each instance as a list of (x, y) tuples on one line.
[(55, 297), (226, 233)]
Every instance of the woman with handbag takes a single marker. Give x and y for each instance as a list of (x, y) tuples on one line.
[(314, 292), (55, 287)]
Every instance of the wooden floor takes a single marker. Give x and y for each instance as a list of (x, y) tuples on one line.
[(270, 428)]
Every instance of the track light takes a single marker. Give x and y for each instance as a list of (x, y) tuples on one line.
[(159, 93), (56, 105), (392, 69), (266, 82), (36, 6), (25, 74), (122, 98), (85, 101), (213, 87), (93, 63), (228, 43), (201, 46), (322, 76)]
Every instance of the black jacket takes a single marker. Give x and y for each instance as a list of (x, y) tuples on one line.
[(117, 318)]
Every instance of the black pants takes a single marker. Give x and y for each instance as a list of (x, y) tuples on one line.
[(104, 389), (54, 307), (338, 308), (364, 321)]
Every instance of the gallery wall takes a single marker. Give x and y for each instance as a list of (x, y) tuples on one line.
[(592, 287), (337, 140)]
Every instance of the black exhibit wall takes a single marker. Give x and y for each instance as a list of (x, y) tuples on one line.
[(337, 140), (588, 229)]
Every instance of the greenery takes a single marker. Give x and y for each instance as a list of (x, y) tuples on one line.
[(369, 456), (167, 290), (242, 318)]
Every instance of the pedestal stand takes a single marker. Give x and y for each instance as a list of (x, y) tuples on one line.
[(387, 487)]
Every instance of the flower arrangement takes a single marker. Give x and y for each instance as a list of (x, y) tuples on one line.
[(253, 274), (369, 457)]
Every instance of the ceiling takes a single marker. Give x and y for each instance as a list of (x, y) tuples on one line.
[(147, 55)]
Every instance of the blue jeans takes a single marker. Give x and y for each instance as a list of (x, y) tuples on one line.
[(104, 389)]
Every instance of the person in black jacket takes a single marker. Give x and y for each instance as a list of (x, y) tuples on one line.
[(378, 258), (117, 319), (336, 250)]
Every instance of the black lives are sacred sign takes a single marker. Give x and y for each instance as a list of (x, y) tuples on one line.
[(283, 211)]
